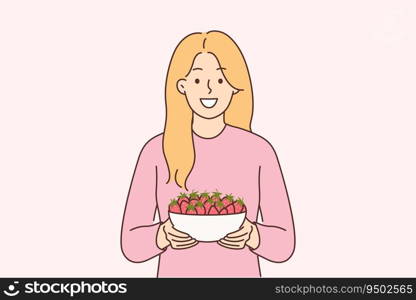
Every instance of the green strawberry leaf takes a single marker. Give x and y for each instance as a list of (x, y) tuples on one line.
[(217, 194), (204, 194), (240, 201), (183, 195), (230, 197), (193, 195)]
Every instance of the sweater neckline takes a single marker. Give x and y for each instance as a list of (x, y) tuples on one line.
[(210, 138)]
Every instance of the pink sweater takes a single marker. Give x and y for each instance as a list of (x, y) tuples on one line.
[(235, 161)]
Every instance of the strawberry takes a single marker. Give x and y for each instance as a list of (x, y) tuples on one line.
[(204, 197), (193, 201), (182, 197), (213, 211), (174, 206), (183, 205), (239, 206), (219, 205), (230, 209), (228, 199), (194, 195), (208, 203), (216, 196), (200, 208), (190, 210)]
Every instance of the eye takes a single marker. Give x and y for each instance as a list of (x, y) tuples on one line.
[(220, 80), (197, 81)]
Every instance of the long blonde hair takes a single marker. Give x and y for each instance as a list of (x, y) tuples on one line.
[(178, 145)]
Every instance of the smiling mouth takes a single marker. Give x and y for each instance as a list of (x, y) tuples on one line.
[(208, 102)]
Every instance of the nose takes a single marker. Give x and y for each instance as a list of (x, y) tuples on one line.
[(209, 88)]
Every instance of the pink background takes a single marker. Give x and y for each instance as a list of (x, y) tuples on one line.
[(81, 91)]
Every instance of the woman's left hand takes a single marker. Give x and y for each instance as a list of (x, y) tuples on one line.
[(246, 235)]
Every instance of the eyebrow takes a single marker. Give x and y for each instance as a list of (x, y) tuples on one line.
[(220, 68)]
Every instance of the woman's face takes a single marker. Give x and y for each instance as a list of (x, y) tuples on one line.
[(206, 89)]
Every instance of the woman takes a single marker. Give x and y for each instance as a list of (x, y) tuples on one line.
[(207, 145)]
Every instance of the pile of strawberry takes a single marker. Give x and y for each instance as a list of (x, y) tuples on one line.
[(206, 204)]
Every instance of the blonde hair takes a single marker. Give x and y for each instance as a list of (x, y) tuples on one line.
[(178, 145)]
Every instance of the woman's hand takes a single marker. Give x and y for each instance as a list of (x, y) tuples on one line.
[(167, 235), (246, 235)]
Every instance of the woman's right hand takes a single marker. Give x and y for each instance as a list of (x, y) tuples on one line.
[(167, 235)]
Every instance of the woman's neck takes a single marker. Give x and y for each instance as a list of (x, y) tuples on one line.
[(208, 128)]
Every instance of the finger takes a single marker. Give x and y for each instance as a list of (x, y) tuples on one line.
[(234, 240), (187, 245), (238, 233), (182, 243), (176, 245), (231, 245), (236, 237), (177, 233), (177, 238)]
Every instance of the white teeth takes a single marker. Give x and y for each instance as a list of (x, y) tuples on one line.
[(208, 102)]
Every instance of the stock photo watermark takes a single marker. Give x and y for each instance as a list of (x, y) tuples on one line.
[(71, 288)]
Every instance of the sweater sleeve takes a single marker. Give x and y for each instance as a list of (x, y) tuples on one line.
[(138, 234), (277, 234)]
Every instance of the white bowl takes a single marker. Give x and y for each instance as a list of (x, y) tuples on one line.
[(207, 228)]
